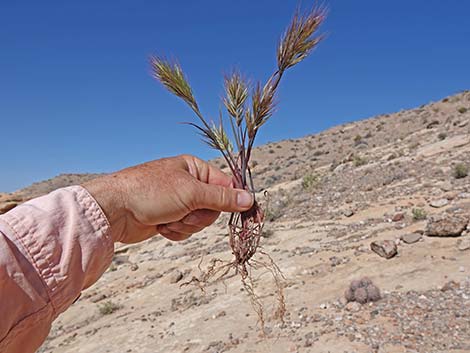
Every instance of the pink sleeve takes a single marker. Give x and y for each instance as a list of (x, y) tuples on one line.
[(51, 248)]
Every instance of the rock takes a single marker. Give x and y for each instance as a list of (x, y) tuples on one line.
[(353, 307), (464, 244), (384, 248), (362, 145), (411, 238), (463, 123), (348, 212), (398, 217), (120, 259), (219, 314), (446, 186), (439, 203), (4, 208), (451, 285), (446, 225), (432, 124), (176, 276), (451, 195)]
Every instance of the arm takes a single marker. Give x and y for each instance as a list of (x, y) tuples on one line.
[(53, 247)]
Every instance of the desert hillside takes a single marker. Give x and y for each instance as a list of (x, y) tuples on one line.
[(386, 198)]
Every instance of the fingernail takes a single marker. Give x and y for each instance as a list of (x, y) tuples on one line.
[(244, 199)]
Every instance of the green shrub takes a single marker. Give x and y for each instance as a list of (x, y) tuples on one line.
[(460, 171), (359, 161), (109, 307), (462, 110), (310, 181), (419, 214)]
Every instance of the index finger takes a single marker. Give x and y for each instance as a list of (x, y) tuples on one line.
[(207, 173)]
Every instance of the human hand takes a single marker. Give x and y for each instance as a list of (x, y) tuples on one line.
[(175, 197)]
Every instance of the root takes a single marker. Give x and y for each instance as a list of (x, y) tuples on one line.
[(245, 231), (219, 270)]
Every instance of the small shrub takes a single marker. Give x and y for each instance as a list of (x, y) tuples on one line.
[(109, 307), (462, 110), (310, 181), (357, 140), (359, 161), (271, 151), (442, 136), (460, 171), (419, 214)]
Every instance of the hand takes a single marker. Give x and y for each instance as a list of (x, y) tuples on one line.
[(175, 197)]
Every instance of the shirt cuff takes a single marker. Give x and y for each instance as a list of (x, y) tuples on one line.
[(66, 237)]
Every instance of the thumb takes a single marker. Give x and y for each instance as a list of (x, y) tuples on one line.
[(222, 198)]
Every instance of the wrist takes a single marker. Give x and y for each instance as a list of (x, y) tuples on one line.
[(109, 195)]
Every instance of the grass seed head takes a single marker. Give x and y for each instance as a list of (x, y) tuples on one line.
[(299, 40), (236, 93), (171, 75)]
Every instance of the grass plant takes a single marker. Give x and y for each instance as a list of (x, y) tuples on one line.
[(248, 107)]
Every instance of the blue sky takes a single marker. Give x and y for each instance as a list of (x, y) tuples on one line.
[(76, 94)]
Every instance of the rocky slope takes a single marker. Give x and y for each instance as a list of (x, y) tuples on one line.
[(396, 181)]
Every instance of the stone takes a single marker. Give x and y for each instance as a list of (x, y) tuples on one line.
[(353, 307), (451, 195), (464, 244), (398, 217), (176, 276), (439, 203), (463, 123), (446, 225), (348, 212), (384, 248), (446, 186), (411, 238), (432, 124)]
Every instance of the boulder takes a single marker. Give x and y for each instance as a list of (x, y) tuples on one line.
[(446, 225), (384, 248)]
